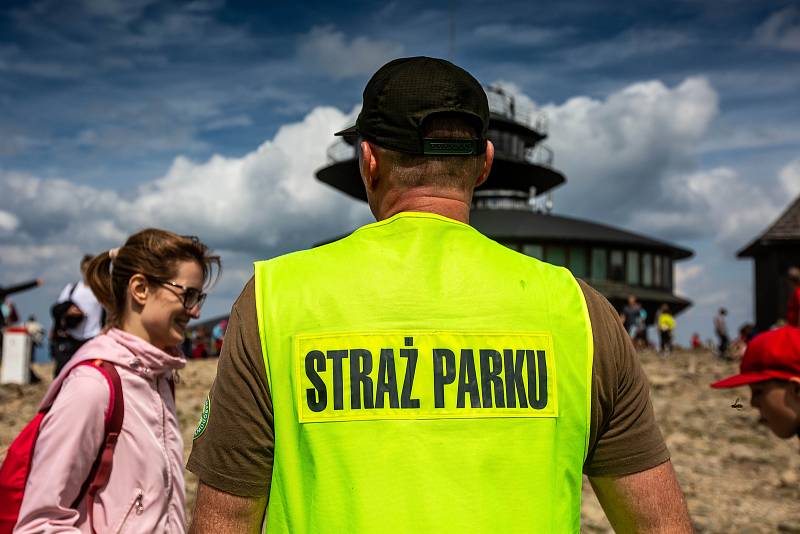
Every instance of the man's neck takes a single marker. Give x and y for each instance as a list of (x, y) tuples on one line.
[(452, 204)]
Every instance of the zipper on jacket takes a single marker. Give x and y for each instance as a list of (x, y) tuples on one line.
[(136, 507)]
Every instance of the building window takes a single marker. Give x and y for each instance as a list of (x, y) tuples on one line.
[(599, 264), (657, 265), (556, 254), (533, 250), (632, 268), (647, 269), (667, 272), (577, 262), (512, 246), (617, 266)]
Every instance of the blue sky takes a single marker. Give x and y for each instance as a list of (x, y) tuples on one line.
[(679, 120)]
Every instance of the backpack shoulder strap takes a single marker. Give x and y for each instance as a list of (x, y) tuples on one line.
[(72, 290), (101, 470)]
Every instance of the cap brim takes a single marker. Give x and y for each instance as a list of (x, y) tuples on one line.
[(744, 379), (348, 132)]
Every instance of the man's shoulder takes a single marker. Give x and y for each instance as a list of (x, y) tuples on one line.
[(246, 299)]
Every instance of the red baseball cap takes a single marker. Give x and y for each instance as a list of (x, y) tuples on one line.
[(771, 355)]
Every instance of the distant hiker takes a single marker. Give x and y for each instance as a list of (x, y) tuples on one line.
[(77, 318), (721, 330), (5, 311), (793, 305), (9, 312), (697, 343), (640, 339), (771, 367), (6, 291), (737, 348), (666, 324), (151, 287), (37, 334), (631, 315), (35, 331), (218, 334)]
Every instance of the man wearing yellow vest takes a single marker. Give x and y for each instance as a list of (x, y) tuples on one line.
[(417, 376)]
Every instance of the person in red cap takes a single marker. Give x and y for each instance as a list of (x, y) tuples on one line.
[(771, 367)]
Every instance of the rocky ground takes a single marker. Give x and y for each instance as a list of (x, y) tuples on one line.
[(737, 477)]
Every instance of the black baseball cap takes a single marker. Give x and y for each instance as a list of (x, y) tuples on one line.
[(405, 92)]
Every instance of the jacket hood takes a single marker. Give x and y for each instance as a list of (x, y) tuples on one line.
[(125, 350)]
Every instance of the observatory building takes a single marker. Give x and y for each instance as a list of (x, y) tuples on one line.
[(514, 207)]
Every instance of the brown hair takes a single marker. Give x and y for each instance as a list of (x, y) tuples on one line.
[(411, 170), (152, 252)]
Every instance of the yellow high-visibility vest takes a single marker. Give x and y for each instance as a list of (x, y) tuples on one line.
[(424, 378)]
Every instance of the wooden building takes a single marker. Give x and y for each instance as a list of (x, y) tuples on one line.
[(774, 252)]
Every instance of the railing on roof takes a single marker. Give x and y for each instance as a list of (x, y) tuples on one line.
[(540, 155), (504, 104)]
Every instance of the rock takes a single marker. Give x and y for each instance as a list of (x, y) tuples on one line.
[(789, 478)]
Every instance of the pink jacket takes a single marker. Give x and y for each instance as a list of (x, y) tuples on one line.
[(145, 493)]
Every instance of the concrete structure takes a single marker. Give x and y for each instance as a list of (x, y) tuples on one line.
[(16, 364)]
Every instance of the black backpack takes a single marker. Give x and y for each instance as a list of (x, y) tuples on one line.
[(62, 321)]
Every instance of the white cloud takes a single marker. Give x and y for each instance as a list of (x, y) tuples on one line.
[(328, 50), (8, 222), (631, 160), (718, 203), (685, 275), (268, 198), (780, 30), (790, 178), (35, 255), (263, 203), (616, 151)]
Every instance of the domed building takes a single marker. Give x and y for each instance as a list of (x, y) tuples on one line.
[(514, 207)]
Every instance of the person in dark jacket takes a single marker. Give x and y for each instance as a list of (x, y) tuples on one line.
[(5, 291)]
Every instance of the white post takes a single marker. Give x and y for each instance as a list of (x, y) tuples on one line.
[(16, 356)]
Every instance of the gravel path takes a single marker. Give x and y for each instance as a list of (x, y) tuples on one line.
[(737, 476)]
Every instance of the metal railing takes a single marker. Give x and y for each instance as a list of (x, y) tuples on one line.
[(540, 155), (502, 103)]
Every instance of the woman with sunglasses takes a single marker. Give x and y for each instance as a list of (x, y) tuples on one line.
[(150, 287)]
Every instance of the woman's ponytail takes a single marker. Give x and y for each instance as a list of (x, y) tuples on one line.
[(98, 278)]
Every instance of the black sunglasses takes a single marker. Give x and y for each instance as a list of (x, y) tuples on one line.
[(191, 296)]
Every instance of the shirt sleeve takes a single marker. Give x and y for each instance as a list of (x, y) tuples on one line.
[(624, 437), (69, 440), (234, 451)]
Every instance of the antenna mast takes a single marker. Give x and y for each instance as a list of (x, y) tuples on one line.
[(452, 30)]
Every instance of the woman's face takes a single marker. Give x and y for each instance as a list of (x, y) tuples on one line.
[(163, 315), (777, 401)]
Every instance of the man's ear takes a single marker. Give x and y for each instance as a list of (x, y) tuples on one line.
[(487, 164), (138, 289), (368, 165)]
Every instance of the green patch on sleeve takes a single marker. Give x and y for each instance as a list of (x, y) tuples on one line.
[(203, 423)]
